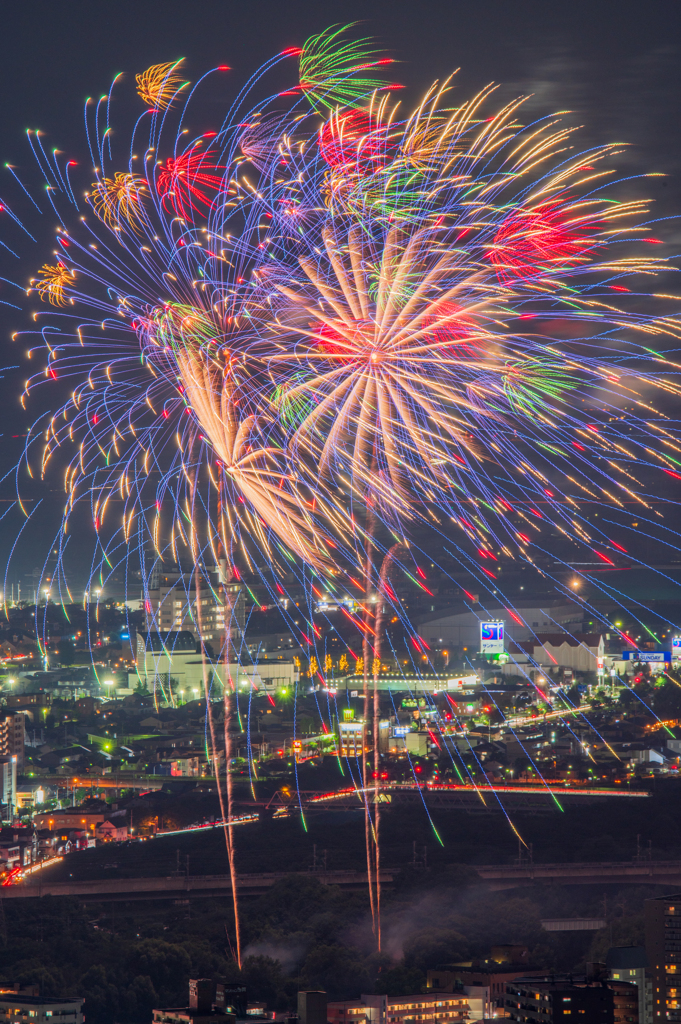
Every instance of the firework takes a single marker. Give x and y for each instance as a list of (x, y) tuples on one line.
[(52, 283), (119, 199), (336, 71), (159, 84), (296, 346), (189, 181)]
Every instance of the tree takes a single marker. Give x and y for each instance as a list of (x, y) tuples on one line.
[(339, 970), (434, 946), (66, 652), (264, 978), (667, 700), (140, 998)]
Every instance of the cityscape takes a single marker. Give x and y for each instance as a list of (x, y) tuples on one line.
[(340, 625)]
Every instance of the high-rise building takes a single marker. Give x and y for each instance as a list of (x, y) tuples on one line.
[(8, 787), (170, 604), (663, 948), (531, 1000), (629, 963), (12, 737)]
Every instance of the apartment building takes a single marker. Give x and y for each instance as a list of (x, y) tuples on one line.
[(171, 606), (419, 1009), (12, 736), (663, 948), (19, 1007), (530, 1000)]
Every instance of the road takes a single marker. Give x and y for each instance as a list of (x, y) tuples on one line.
[(534, 796)]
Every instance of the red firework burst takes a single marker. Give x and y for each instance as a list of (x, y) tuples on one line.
[(545, 238), (189, 181), (355, 139)]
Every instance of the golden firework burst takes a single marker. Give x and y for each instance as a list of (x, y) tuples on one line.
[(119, 198), (159, 83), (53, 282)]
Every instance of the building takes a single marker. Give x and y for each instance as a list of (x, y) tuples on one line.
[(8, 786), (18, 847), (582, 652), (106, 832), (379, 1009), (170, 604), (312, 1007), (35, 705), (484, 981), (558, 998), (351, 739), (172, 660), (630, 963), (462, 629), (18, 1005), (185, 767), (68, 818), (625, 1001), (451, 682), (12, 731), (206, 1003), (663, 950)]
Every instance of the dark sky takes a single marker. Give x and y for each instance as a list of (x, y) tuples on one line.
[(614, 63)]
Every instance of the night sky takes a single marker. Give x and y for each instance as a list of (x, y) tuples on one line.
[(615, 65)]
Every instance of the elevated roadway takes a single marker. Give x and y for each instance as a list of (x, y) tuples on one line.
[(481, 797), (176, 887), (495, 877), (644, 872)]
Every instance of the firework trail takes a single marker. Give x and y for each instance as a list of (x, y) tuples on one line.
[(303, 337)]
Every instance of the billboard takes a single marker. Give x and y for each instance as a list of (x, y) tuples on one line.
[(492, 637), (676, 648), (647, 656)]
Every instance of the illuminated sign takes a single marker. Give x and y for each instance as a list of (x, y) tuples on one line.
[(676, 648), (461, 682), (492, 637), (647, 656)]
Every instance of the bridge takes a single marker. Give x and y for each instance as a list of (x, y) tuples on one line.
[(495, 876), (178, 887), (484, 797), (641, 872)]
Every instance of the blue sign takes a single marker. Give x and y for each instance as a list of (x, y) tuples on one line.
[(649, 656)]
